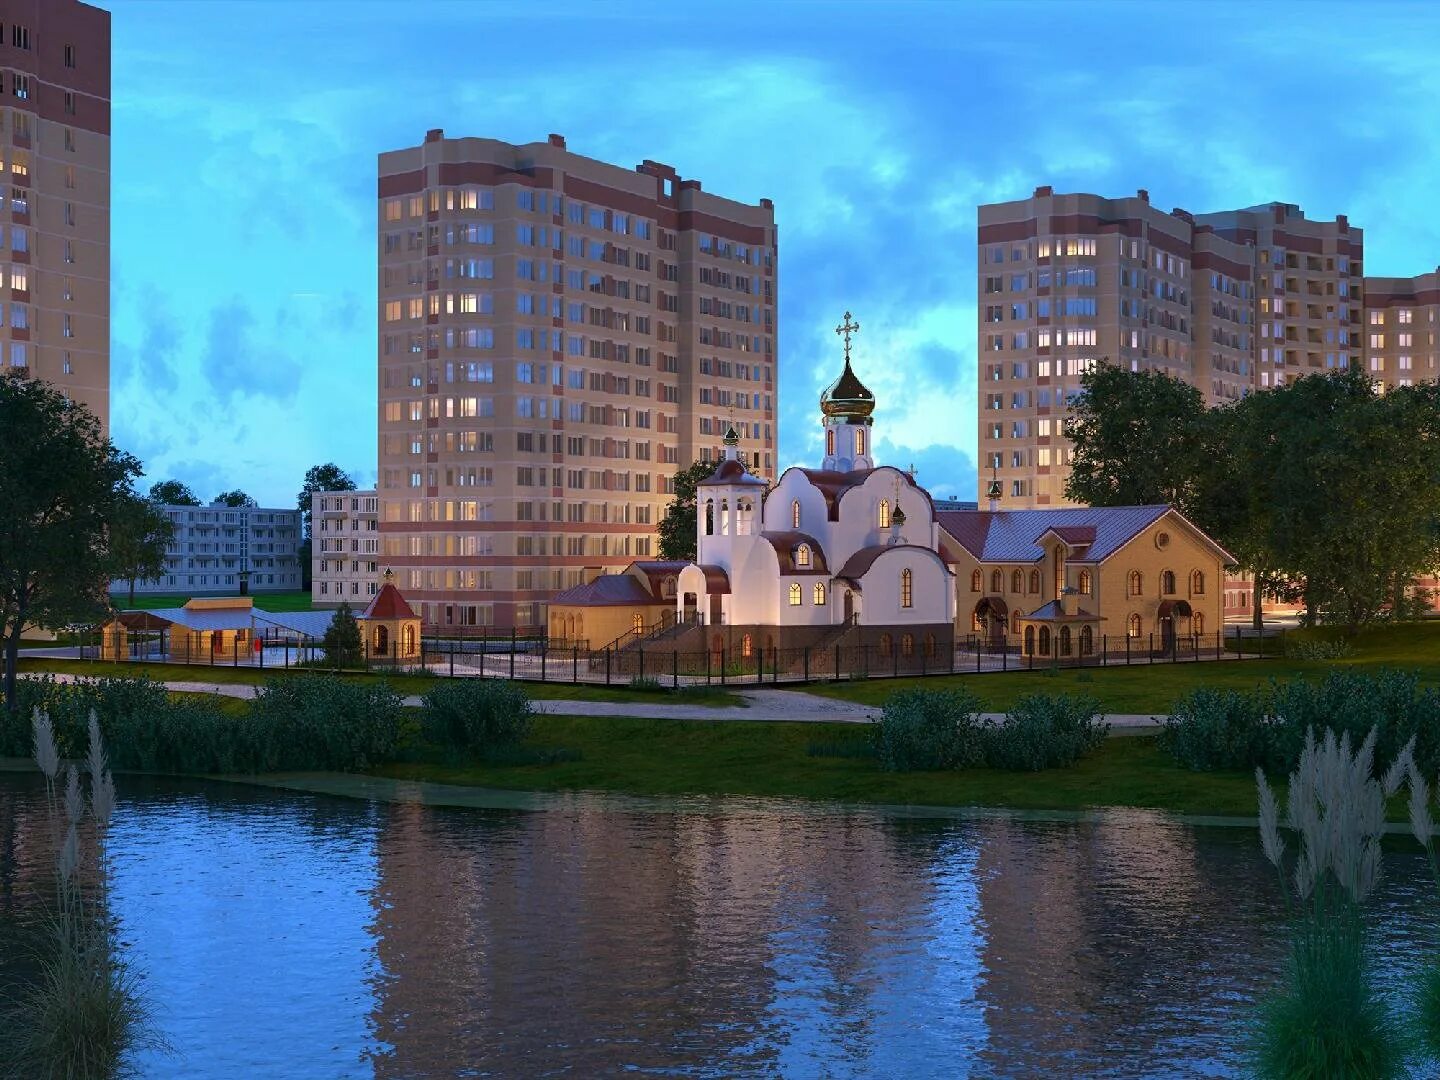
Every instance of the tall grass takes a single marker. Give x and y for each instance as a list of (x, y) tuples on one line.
[(83, 1011), (1326, 1019)]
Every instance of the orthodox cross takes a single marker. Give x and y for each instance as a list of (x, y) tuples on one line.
[(845, 329)]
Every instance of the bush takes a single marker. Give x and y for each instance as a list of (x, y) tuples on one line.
[(476, 715), (1211, 729), (645, 683), (1045, 731), (930, 729), (1319, 649), (321, 723)]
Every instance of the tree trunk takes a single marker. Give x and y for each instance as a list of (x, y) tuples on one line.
[(1257, 617), (132, 592)]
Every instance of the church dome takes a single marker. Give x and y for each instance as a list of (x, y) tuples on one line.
[(848, 398)]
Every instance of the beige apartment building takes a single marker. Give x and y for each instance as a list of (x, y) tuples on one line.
[(557, 337), (55, 184), (344, 548)]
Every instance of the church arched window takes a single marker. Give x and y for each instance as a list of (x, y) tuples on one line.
[(795, 514), (802, 556), (1167, 583), (794, 594), (819, 593), (977, 581), (1085, 582), (830, 441), (1017, 581), (709, 517), (859, 441), (1197, 583), (1137, 587), (1132, 625), (884, 517), (907, 583), (1034, 581), (997, 582)]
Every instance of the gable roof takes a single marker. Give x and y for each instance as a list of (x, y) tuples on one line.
[(731, 473), (606, 590), (785, 544), (858, 565), (833, 484), (1054, 611), (389, 604), (1014, 535)]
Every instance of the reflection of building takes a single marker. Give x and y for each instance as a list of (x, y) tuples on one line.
[(56, 177), (344, 547), (213, 545), (558, 336)]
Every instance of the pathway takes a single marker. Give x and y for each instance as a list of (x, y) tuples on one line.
[(794, 706)]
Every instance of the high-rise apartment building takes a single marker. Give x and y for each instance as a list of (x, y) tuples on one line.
[(557, 337), (1230, 302), (55, 187)]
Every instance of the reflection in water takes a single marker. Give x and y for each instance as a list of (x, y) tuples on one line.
[(290, 935)]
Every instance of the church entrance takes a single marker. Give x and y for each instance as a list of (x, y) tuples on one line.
[(715, 613), (849, 605), (991, 615), (692, 606), (1169, 610)]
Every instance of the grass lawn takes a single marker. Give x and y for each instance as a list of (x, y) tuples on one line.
[(1153, 688), (268, 601), (668, 757), (713, 697)]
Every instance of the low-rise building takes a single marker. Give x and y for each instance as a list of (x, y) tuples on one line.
[(344, 548), (225, 549)]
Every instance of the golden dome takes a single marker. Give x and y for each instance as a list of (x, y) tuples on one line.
[(848, 398)]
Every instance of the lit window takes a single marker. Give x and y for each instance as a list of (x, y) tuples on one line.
[(907, 581), (884, 513), (794, 594), (802, 555), (795, 514), (819, 593)]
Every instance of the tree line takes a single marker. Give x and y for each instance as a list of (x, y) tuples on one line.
[(1325, 490)]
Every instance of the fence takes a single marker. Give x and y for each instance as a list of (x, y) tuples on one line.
[(536, 658)]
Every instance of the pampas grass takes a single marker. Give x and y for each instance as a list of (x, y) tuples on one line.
[(83, 1012), (1326, 1019)]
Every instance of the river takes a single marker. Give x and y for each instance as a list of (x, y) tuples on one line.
[(284, 933)]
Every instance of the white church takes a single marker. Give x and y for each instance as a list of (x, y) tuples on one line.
[(849, 551)]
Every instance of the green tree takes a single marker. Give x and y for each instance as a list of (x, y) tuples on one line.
[(236, 498), (139, 534), (677, 527), (63, 487), (1140, 438), (327, 477), (342, 638), (172, 493)]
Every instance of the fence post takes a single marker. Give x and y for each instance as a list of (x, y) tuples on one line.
[(675, 669), (640, 651), (977, 655), (806, 665), (1127, 649), (607, 665), (1005, 659), (544, 649), (722, 665), (576, 672), (837, 661), (952, 657), (1104, 647)]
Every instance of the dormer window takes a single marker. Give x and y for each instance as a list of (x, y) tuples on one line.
[(802, 556)]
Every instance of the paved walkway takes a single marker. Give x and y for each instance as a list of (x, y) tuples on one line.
[(760, 705)]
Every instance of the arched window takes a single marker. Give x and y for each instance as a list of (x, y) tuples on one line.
[(743, 510), (884, 644), (724, 517), (1044, 641), (859, 441), (1137, 583), (997, 582), (1132, 626), (1197, 623), (1087, 641), (907, 644), (1034, 581), (382, 641), (1015, 621), (830, 441), (745, 645), (1064, 641), (802, 555), (819, 592), (907, 581), (1029, 640), (884, 513), (977, 581), (580, 626), (1085, 582), (929, 644), (709, 517), (407, 638), (1167, 582), (637, 623), (794, 594), (795, 514), (667, 587), (1197, 583), (1017, 581)]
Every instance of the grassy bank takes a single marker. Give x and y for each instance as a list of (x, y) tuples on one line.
[(667, 757), (1152, 688), (405, 684)]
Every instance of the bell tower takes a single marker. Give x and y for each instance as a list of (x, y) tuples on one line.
[(846, 407)]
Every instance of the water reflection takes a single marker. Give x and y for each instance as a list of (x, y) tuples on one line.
[(290, 935)]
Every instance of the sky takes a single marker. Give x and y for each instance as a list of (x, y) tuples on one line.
[(245, 137)]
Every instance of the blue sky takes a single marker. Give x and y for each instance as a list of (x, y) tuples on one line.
[(245, 137)]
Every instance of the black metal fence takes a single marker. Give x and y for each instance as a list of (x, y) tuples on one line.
[(539, 659)]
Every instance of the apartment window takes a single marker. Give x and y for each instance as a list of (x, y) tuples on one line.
[(66, 366), (69, 103), (20, 86), (69, 330), (20, 36), (70, 56)]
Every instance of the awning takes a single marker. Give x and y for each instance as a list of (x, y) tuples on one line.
[(1170, 608)]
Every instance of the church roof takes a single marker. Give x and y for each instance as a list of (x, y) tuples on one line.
[(785, 544), (1053, 612), (847, 396), (606, 590), (858, 565), (716, 580), (834, 484), (389, 604), (732, 473), (1014, 535)]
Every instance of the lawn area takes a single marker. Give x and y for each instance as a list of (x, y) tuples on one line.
[(712, 697), (1153, 688), (267, 601), (668, 757)]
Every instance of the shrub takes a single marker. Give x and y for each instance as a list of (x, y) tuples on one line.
[(1221, 729), (1045, 731), (1390, 702), (1319, 649), (644, 682), (321, 722), (476, 715), (930, 729)]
